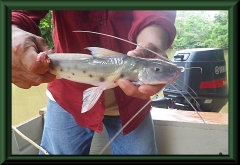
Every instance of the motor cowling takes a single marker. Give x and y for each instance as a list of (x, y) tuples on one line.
[(204, 79)]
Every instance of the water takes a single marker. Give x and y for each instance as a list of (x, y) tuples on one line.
[(26, 103)]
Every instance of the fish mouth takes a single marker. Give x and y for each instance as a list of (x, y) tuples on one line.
[(181, 69), (175, 79), (168, 80)]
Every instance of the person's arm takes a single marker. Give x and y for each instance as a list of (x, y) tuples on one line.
[(153, 37), (26, 70), (157, 38), (28, 20)]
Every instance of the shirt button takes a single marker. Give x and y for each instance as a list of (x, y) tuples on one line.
[(101, 22)]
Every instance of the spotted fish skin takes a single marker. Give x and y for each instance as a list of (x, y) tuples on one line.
[(104, 68), (104, 72)]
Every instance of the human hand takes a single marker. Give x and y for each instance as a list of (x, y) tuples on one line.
[(144, 53), (26, 70), (143, 91)]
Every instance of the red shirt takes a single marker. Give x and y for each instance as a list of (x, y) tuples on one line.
[(124, 24)]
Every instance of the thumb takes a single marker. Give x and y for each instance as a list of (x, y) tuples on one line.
[(146, 50), (29, 61), (42, 45)]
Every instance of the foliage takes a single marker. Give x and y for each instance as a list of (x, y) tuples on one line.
[(46, 27), (198, 29), (194, 29)]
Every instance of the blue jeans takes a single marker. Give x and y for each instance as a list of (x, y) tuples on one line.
[(63, 136)]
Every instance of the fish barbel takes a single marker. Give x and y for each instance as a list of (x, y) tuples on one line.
[(105, 67)]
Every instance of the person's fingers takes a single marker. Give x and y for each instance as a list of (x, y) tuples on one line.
[(152, 52), (151, 89), (29, 61), (27, 70), (131, 90), (42, 45), (22, 83), (25, 79)]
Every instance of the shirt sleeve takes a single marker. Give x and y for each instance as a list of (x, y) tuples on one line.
[(164, 18), (28, 20)]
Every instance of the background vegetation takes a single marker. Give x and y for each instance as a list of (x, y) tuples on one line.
[(46, 27), (198, 29), (194, 29)]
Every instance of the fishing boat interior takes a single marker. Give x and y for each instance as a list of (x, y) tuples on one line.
[(178, 132)]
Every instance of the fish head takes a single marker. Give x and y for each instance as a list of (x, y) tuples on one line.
[(159, 72)]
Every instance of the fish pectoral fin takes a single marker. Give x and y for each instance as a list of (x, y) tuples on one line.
[(90, 97), (102, 52)]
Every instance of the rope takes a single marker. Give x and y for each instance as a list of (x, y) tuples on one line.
[(29, 140)]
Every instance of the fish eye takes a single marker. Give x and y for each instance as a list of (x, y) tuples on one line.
[(157, 69)]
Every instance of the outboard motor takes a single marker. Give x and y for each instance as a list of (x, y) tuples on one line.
[(204, 79)]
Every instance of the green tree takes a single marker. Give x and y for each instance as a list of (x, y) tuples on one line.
[(198, 29), (220, 31), (46, 27)]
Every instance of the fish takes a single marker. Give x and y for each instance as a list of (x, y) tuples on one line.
[(103, 68)]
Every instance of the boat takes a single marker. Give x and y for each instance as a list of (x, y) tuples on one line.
[(178, 132)]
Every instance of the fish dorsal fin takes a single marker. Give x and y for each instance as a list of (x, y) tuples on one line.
[(102, 52)]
